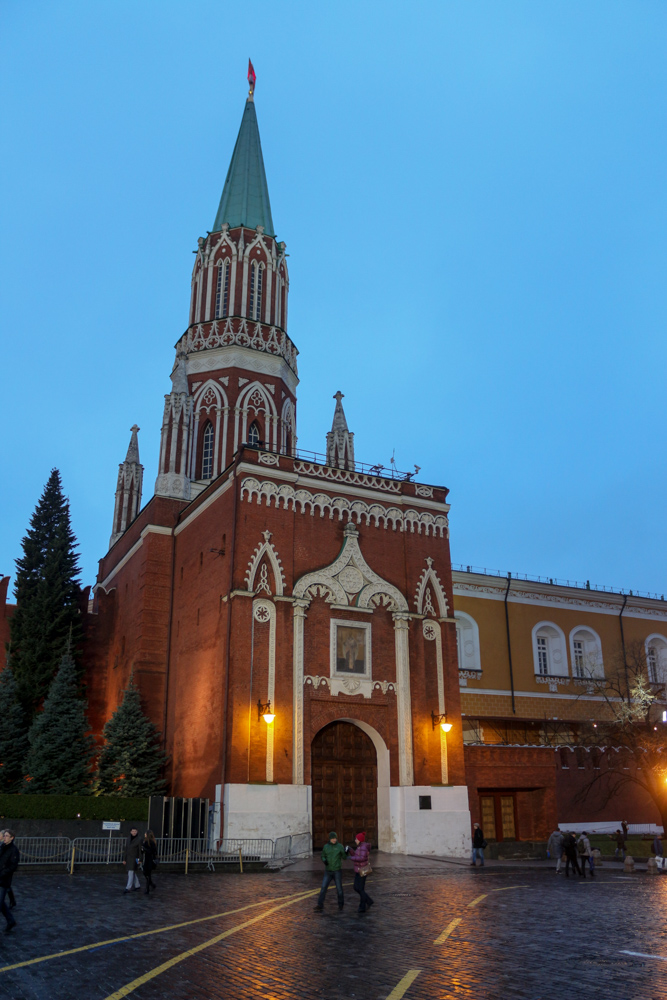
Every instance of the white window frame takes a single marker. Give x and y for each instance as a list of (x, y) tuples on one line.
[(204, 458), (592, 653), (660, 675), (556, 650), (468, 632)]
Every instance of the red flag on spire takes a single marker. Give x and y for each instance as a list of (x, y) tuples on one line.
[(251, 75)]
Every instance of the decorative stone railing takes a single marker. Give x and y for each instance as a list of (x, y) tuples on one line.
[(469, 675)]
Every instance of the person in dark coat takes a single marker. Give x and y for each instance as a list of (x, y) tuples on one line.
[(10, 892), (149, 855), (477, 845), (132, 858), (570, 849), (360, 855), (9, 862)]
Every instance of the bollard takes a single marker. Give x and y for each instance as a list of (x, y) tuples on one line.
[(651, 867), (241, 860), (187, 855), (629, 864), (597, 858), (71, 867)]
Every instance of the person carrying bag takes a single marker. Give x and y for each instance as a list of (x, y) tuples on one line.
[(360, 855)]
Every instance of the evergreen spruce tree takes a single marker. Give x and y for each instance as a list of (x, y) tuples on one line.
[(13, 735), (48, 593), (131, 760), (61, 745)]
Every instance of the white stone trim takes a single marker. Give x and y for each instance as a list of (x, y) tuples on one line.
[(430, 576), (219, 358), (333, 672), (265, 612), (299, 616), (204, 504), (432, 632), (402, 646), (155, 529), (285, 495), (266, 548)]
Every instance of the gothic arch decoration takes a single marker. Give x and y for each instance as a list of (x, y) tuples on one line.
[(265, 549), (288, 497), (256, 403), (349, 580), (210, 405), (423, 601), (287, 428)]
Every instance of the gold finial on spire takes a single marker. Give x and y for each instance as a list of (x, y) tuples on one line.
[(251, 80)]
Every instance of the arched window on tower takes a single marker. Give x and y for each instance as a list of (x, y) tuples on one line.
[(222, 291), (207, 452), (255, 305), (253, 435)]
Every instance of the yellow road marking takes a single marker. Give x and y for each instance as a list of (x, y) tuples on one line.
[(159, 969), (447, 931), (479, 899), (140, 934), (401, 988)]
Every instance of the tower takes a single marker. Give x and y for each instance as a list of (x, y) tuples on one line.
[(340, 442), (235, 376), (128, 489)]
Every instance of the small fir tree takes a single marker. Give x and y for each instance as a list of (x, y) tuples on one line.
[(61, 745), (48, 595), (131, 760), (13, 735)]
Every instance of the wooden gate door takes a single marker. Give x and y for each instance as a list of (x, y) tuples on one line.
[(345, 781)]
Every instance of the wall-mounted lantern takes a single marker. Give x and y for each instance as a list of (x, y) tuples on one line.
[(441, 720), (264, 712)]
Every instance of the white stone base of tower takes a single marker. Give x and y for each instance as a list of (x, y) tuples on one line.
[(271, 811)]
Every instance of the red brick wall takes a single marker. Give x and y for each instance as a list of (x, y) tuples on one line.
[(530, 772), (581, 799)]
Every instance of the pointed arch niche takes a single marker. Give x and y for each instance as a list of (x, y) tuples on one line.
[(349, 583)]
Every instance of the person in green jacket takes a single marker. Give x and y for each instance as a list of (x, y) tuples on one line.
[(333, 854)]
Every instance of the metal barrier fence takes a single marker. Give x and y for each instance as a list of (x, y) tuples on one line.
[(44, 850), (111, 850)]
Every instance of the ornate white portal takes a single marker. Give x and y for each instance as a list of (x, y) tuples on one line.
[(349, 584)]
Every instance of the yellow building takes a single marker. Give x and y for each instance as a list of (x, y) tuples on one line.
[(534, 656)]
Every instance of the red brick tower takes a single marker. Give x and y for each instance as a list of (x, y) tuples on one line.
[(235, 374), (257, 576)]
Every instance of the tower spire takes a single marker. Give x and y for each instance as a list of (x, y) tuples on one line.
[(128, 489), (340, 441), (245, 195)]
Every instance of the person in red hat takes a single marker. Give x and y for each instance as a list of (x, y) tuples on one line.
[(360, 855)]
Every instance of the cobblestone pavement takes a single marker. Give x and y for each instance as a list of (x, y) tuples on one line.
[(435, 931)]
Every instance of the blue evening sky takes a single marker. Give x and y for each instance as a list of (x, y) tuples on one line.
[(473, 198)]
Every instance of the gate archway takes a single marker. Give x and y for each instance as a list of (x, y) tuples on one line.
[(345, 784)]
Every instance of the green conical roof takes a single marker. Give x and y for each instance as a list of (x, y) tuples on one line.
[(245, 196)]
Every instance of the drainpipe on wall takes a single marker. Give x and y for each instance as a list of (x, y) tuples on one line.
[(625, 659), (509, 643)]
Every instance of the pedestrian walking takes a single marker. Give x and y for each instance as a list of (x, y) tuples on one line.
[(9, 862), (332, 856), (132, 858), (570, 848), (585, 854), (624, 826), (10, 892), (478, 845), (361, 855), (656, 847), (149, 859), (620, 844), (555, 848)]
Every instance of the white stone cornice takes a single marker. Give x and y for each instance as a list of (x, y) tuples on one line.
[(218, 358)]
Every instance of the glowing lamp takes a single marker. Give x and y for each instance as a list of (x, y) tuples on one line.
[(441, 720), (264, 712)]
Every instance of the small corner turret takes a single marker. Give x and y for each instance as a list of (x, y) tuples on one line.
[(128, 489), (340, 441)]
